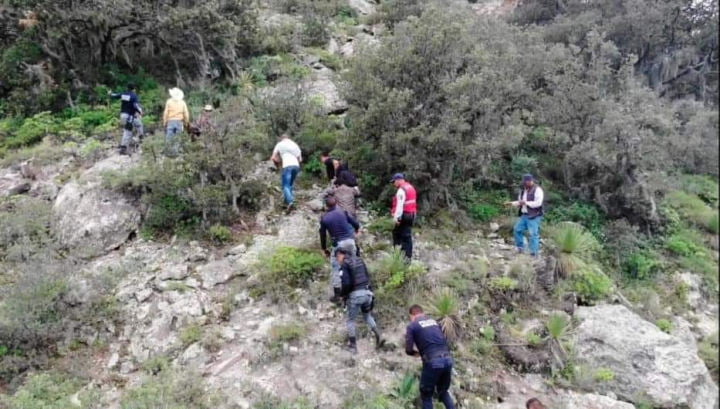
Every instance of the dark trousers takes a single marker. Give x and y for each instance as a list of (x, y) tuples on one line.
[(402, 234), (436, 377)]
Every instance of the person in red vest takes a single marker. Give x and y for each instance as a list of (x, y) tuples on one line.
[(404, 211)]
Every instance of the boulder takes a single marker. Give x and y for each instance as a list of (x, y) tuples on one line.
[(363, 7), (648, 363), (217, 272), (572, 400), (93, 220), (321, 86)]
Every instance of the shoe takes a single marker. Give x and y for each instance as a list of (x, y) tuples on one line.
[(123, 150), (290, 208), (352, 345)]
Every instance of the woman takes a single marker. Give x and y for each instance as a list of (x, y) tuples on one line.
[(176, 115)]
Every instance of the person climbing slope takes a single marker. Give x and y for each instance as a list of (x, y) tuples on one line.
[(404, 212), (175, 117), (130, 115), (432, 347), (342, 229), (356, 290), (288, 154)]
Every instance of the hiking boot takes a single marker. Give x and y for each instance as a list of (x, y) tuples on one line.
[(352, 345), (379, 341), (123, 150), (290, 208)]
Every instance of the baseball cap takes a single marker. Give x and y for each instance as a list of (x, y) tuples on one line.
[(397, 176), (527, 177)]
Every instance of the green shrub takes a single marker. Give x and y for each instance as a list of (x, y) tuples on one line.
[(664, 325), (686, 243), (156, 364), (557, 326), (47, 390), (693, 210), (591, 284), (484, 205), (483, 212), (642, 264), (191, 334), (522, 164), (32, 130), (381, 225), (533, 339), (170, 389), (604, 375), (220, 234), (502, 284), (315, 32), (586, 214), (574, 243), (295, 266)]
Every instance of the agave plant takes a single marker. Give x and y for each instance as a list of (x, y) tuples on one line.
[(444, 307), (557, 327), (573, 243)]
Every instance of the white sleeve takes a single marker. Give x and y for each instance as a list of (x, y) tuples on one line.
[(538, 199), (400, 203)]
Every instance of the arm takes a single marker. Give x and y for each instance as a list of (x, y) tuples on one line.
[(400, 195), (186, 114), (275, 157), (165, 114), (323, 236), (114, 95), (410, 342), (538, 199)]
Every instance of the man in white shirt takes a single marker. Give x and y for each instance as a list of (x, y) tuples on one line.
[(287, 152), (530, 203)]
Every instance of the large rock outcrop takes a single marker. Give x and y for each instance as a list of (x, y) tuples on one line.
[(648, 363), (90, 219)]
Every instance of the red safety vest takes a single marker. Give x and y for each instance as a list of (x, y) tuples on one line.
[(410, 205)]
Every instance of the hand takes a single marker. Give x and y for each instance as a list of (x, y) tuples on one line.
[(326, 252), (521, 203), (397, 222), (109, 92), (357, 233)]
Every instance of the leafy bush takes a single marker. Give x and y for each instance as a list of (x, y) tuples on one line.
[(604, 375), (191, 334), (381, 225), (686, 243), (557, 326), (664, 325), (586, 214), (642, 264), (220, 234), (48, 390), (294, 266), (591, 284), (315, 32), (170, 389)]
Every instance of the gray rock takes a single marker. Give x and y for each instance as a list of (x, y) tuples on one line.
[(572, 400), (93, 220), (321, 86), (362, 6), (19, 189), (646, 361), (237, 250), (494, 227), (174, 272), (217, 272)]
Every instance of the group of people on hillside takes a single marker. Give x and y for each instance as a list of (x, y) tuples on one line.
[(351, 281), (176, 119), (350, 278)]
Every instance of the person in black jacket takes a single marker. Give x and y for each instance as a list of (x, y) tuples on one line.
[(356, 291), (425, 334)]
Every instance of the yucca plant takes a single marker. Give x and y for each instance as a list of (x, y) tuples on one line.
[(573, 243), (557, 327), (444, 307)]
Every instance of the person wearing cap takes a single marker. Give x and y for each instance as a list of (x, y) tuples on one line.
[(130, 115), (534, 403), (425, 334), (356, 290), (342, 228), (204, 124), (404, 211), (175, 117), (530, 205)]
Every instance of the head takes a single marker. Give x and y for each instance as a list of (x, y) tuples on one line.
[(284, 136), (534, 403), (398, 179), (208, 109), (337, 163), (324, 156), (528, 181), (341, 255), (330, 202), (176, 94), (131, 87), (415, 312)]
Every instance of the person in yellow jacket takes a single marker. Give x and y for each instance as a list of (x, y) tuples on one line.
[(175, 117)]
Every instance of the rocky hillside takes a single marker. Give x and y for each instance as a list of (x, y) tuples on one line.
[(122, 317)]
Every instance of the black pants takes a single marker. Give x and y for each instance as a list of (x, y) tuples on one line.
[(436, 378), (402, 234)]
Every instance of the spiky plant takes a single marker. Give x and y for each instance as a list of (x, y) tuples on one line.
[(557, 326), (574, 243), (444, 307)]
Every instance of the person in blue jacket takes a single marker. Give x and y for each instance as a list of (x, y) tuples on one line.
[(130, 115), (425, 334)]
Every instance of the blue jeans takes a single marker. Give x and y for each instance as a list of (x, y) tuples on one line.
[(533, 227), (173, 129), (288, 179), (356, 302), (436, 377)]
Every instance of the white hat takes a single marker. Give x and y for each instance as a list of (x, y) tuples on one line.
[(176, 93), (208, 107)]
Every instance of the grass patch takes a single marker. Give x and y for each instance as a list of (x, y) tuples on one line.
[(191, 334), (49, 390)]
